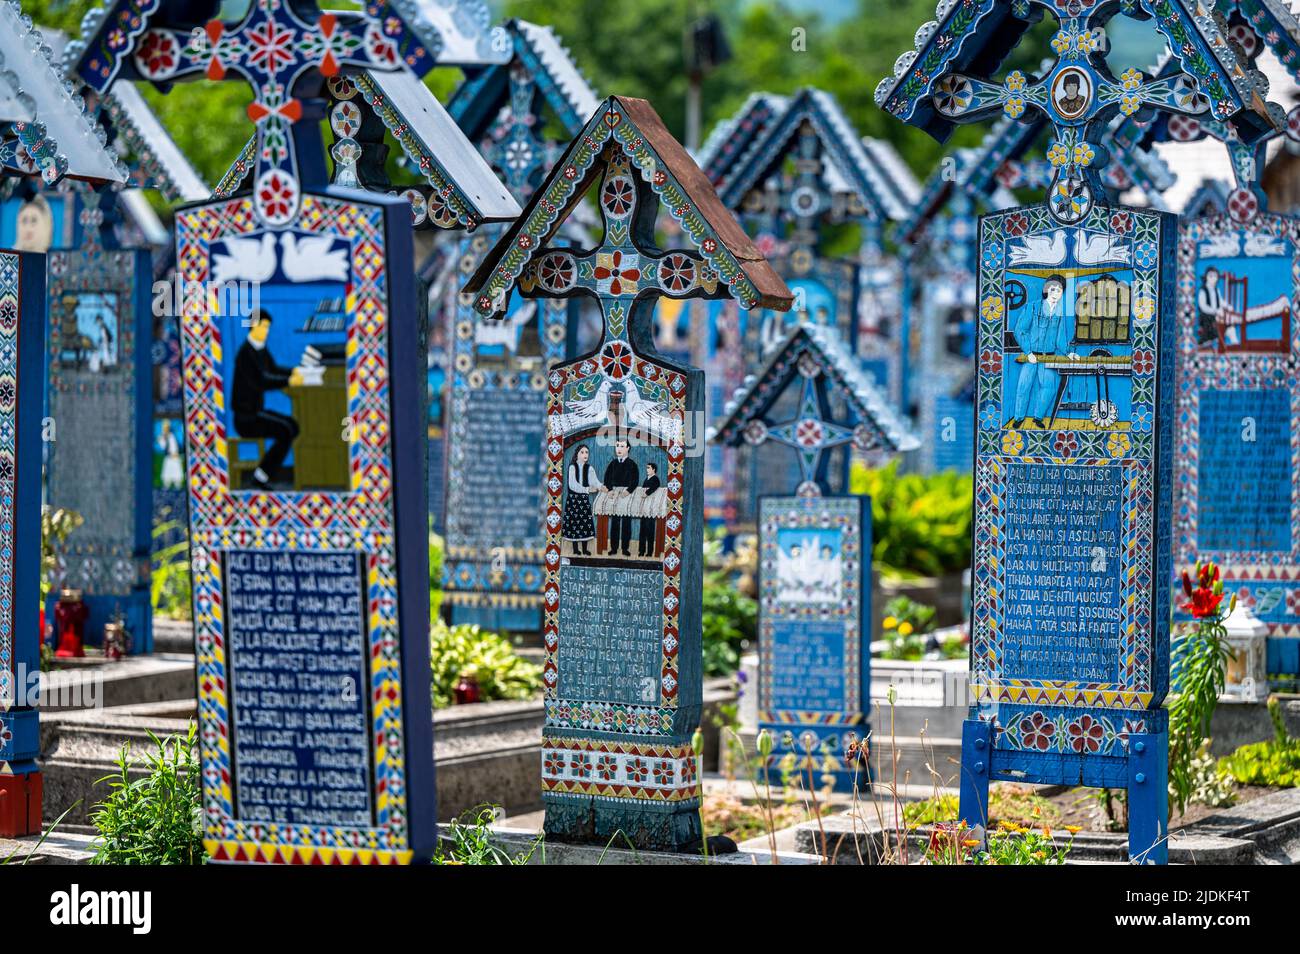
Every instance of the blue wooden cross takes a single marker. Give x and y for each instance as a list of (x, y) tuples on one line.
[(283, 49)]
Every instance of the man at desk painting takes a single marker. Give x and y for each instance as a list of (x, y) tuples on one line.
[(256, 373), (1045, 329)]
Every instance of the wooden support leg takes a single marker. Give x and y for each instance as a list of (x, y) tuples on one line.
[(1148, 798), (976, 763)]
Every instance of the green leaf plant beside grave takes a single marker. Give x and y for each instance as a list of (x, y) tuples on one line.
[(730, 617), (921, 522), (56, 524), (1198, 667), (170, 588), (152, 819), (457, 651), (1275, 762)]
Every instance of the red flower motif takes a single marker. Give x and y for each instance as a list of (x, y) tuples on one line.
[(1017, 224), (1037, 732), (1143, 362), (1086, 735), (157, 52), (1121, 222), (618, 273), (991, 362), (276, 197), (1066, 444)]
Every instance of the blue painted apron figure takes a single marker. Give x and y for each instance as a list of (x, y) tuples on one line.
[(1044, 330)]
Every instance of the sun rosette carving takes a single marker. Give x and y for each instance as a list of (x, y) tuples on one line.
[(755, 433)]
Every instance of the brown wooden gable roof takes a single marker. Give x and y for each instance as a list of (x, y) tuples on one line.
[(739, 264)]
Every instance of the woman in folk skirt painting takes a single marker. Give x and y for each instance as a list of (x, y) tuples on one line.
[(578, 527)]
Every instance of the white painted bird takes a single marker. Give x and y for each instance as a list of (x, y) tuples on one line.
[(1040, 249), (312, 258), (592, 411), (652, 416), (245, 259)]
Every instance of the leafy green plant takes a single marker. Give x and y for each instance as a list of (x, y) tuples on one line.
[(1007, 844), (435, 573), (1198, 669), (170, 583), (1275, 763), (501, 673), (921, 523), (1013, 804), (730, 616), (154, 819), (730, 622), (470, 842), (56, 524), (1211, 785)]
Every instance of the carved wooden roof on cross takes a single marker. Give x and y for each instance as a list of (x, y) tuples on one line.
[(1077, 93), (638, 166), (815, 359), (283, 48), (1253, 25)]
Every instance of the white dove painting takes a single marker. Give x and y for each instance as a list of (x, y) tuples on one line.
[(313, 258), (249, 259)]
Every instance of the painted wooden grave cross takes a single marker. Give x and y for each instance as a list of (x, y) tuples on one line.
[(622, 592), (1074, 394), (814, 551), (304, 428)]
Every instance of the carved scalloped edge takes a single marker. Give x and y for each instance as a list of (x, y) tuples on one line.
[(1204, 19), (425, 161), (35, 42)]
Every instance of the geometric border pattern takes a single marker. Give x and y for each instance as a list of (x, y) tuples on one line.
[(1199, 371), (619, 770), (359, 519), (10, 310), (95, 564)]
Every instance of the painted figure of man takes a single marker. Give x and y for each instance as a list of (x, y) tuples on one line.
[(621, 474), (255, 374), (1041, 331)]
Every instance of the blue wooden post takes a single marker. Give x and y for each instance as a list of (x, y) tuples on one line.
[(22, 321), (976, 767), (1148, 797)]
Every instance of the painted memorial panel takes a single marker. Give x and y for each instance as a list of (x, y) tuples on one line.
[(495, 532), (100, 458), (308, 532), (1238, 460), (623, 665), (814, 604), (22, 321), (1070, 635)]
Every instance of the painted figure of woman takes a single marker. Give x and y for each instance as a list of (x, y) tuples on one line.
[(578, 527)]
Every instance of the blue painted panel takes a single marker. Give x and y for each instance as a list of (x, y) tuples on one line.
[(1244, 478), (953, 440), (301, 746)]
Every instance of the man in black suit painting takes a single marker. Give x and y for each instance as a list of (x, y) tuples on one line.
[(256, 373), (621, 473)]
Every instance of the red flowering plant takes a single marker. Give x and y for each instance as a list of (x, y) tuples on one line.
[(1197, 669)]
